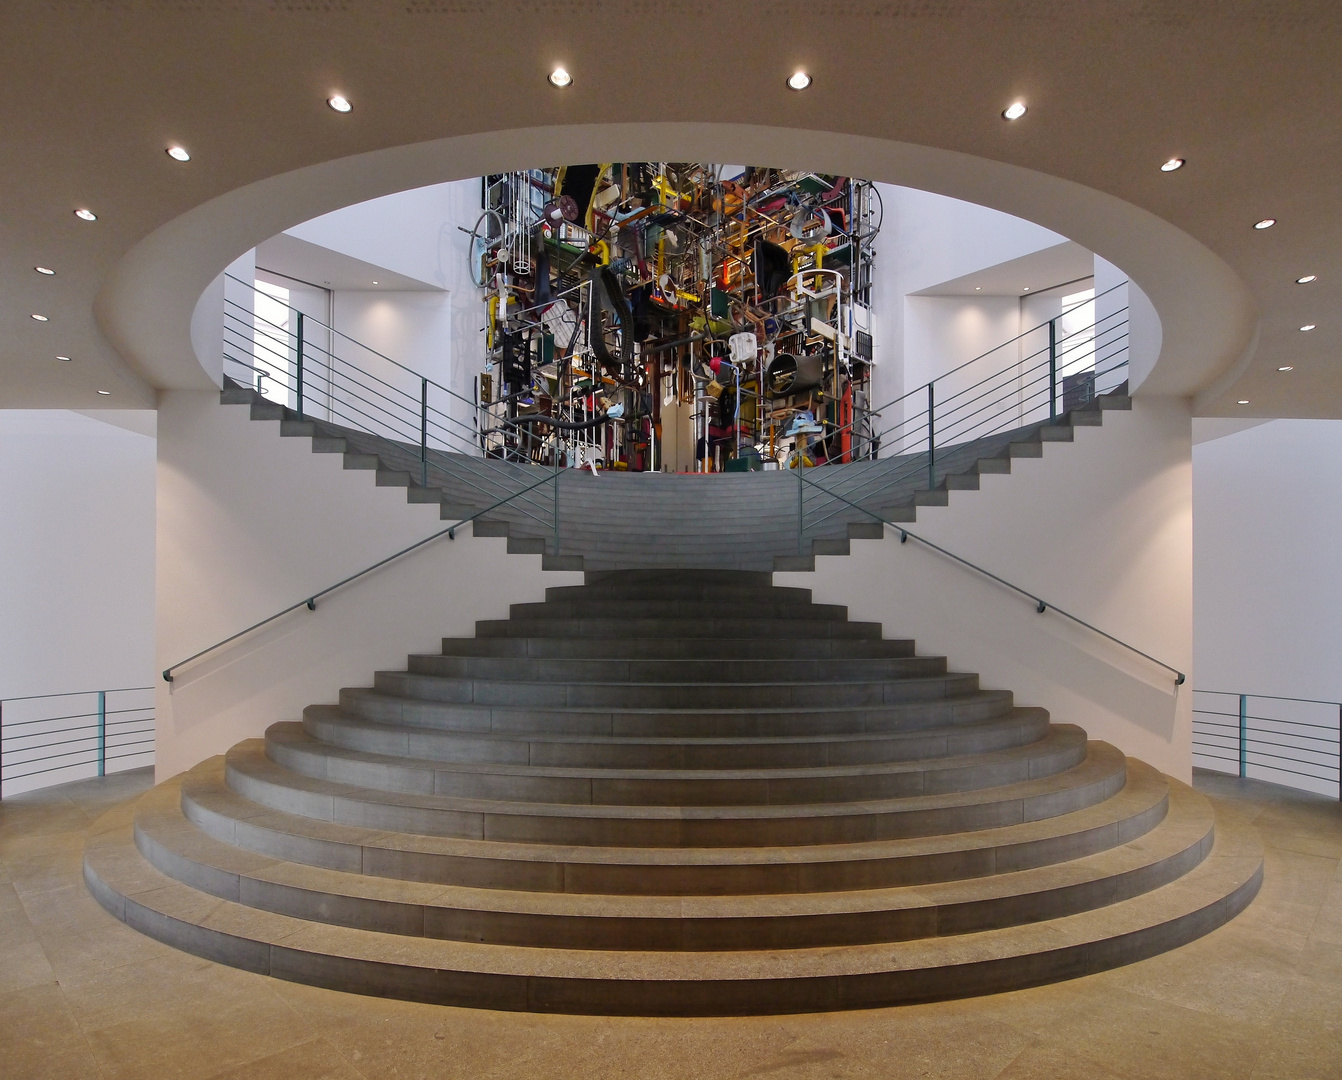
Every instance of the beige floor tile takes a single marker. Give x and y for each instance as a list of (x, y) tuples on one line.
[(24, 966), (1045, 1061), (315, 1060), (39, 1037)]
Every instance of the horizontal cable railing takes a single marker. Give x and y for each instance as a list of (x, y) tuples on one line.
[(1287, 740), (50, 739), (1040, 604)]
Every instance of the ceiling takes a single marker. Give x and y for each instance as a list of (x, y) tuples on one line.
[(1061, 264), (1246, 90), (301, 260)]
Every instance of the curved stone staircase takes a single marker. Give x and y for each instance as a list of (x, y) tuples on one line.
[(673, 793)]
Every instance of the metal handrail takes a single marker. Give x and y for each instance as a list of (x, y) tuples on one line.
[(1041, 605), (311, 602)]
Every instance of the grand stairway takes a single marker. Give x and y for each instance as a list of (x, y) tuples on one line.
[(740, 521), (673, 793)]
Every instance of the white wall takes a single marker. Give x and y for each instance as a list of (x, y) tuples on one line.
[(1101, 527), (925, 240), (76, 553), (1267, 574), (416, 233), (247, 523)]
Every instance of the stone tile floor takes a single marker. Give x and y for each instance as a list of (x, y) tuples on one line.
[(83, 996)]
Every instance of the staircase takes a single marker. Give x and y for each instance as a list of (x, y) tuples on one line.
[(673, 793), (738, 521)]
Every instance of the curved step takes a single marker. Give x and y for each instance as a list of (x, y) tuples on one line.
[(675, 695), (713, 671), (253, 775), (722, 626), (331, 724), (669, 982), (594, 921), (694, 648), (667, 722), (1062, 747), (216, 809)]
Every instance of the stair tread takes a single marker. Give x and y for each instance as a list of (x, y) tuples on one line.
[(1182, 832), (249, 758), (1231, 869), (1145, 789)]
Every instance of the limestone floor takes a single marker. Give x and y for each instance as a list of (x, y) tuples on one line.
[(83, 996)]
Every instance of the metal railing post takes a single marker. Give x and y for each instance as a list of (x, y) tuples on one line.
[(298, 380), (1244, 734), (102, 732), (424, 432), (931, 436), (556, 509), (1053, 369), (799, 462)]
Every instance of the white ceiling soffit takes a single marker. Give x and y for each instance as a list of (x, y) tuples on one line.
[(304, 261), (1060, 264)]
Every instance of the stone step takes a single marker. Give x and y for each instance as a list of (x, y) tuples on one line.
[(665, 722), (569, 920), (253, 775), (335, 727), (722, 626), (1062, 747), (675, 695), (719, 670), (668, 982), (531, 866), (589, 607), (698, 648)]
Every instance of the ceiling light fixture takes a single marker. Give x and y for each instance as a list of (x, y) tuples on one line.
[(1307, 328), (45, 270), (1014, 111), (1242, 401), (86, 215), (1026, 289), (978, 288), (178, 154), (798, 80), (339, 104), (65, 358), (1266, 223), (105, 393), (1172, 164), (1286, 367), (1299, 281), (375, 283), (560, 78), (40, 318)]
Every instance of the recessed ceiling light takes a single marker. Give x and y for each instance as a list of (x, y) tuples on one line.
[(1026, 289), (1266, 223), (1172, 164), (375, 283), (44, 270), (798, 80), (978, 288), (1307, 327), (1286, 367), (1299, 281), (1242, 401), (560, 78), (338, 103), (41, 318), (86, 215), (178, 154), (65, 358), (1014, 111), (105, 393)]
